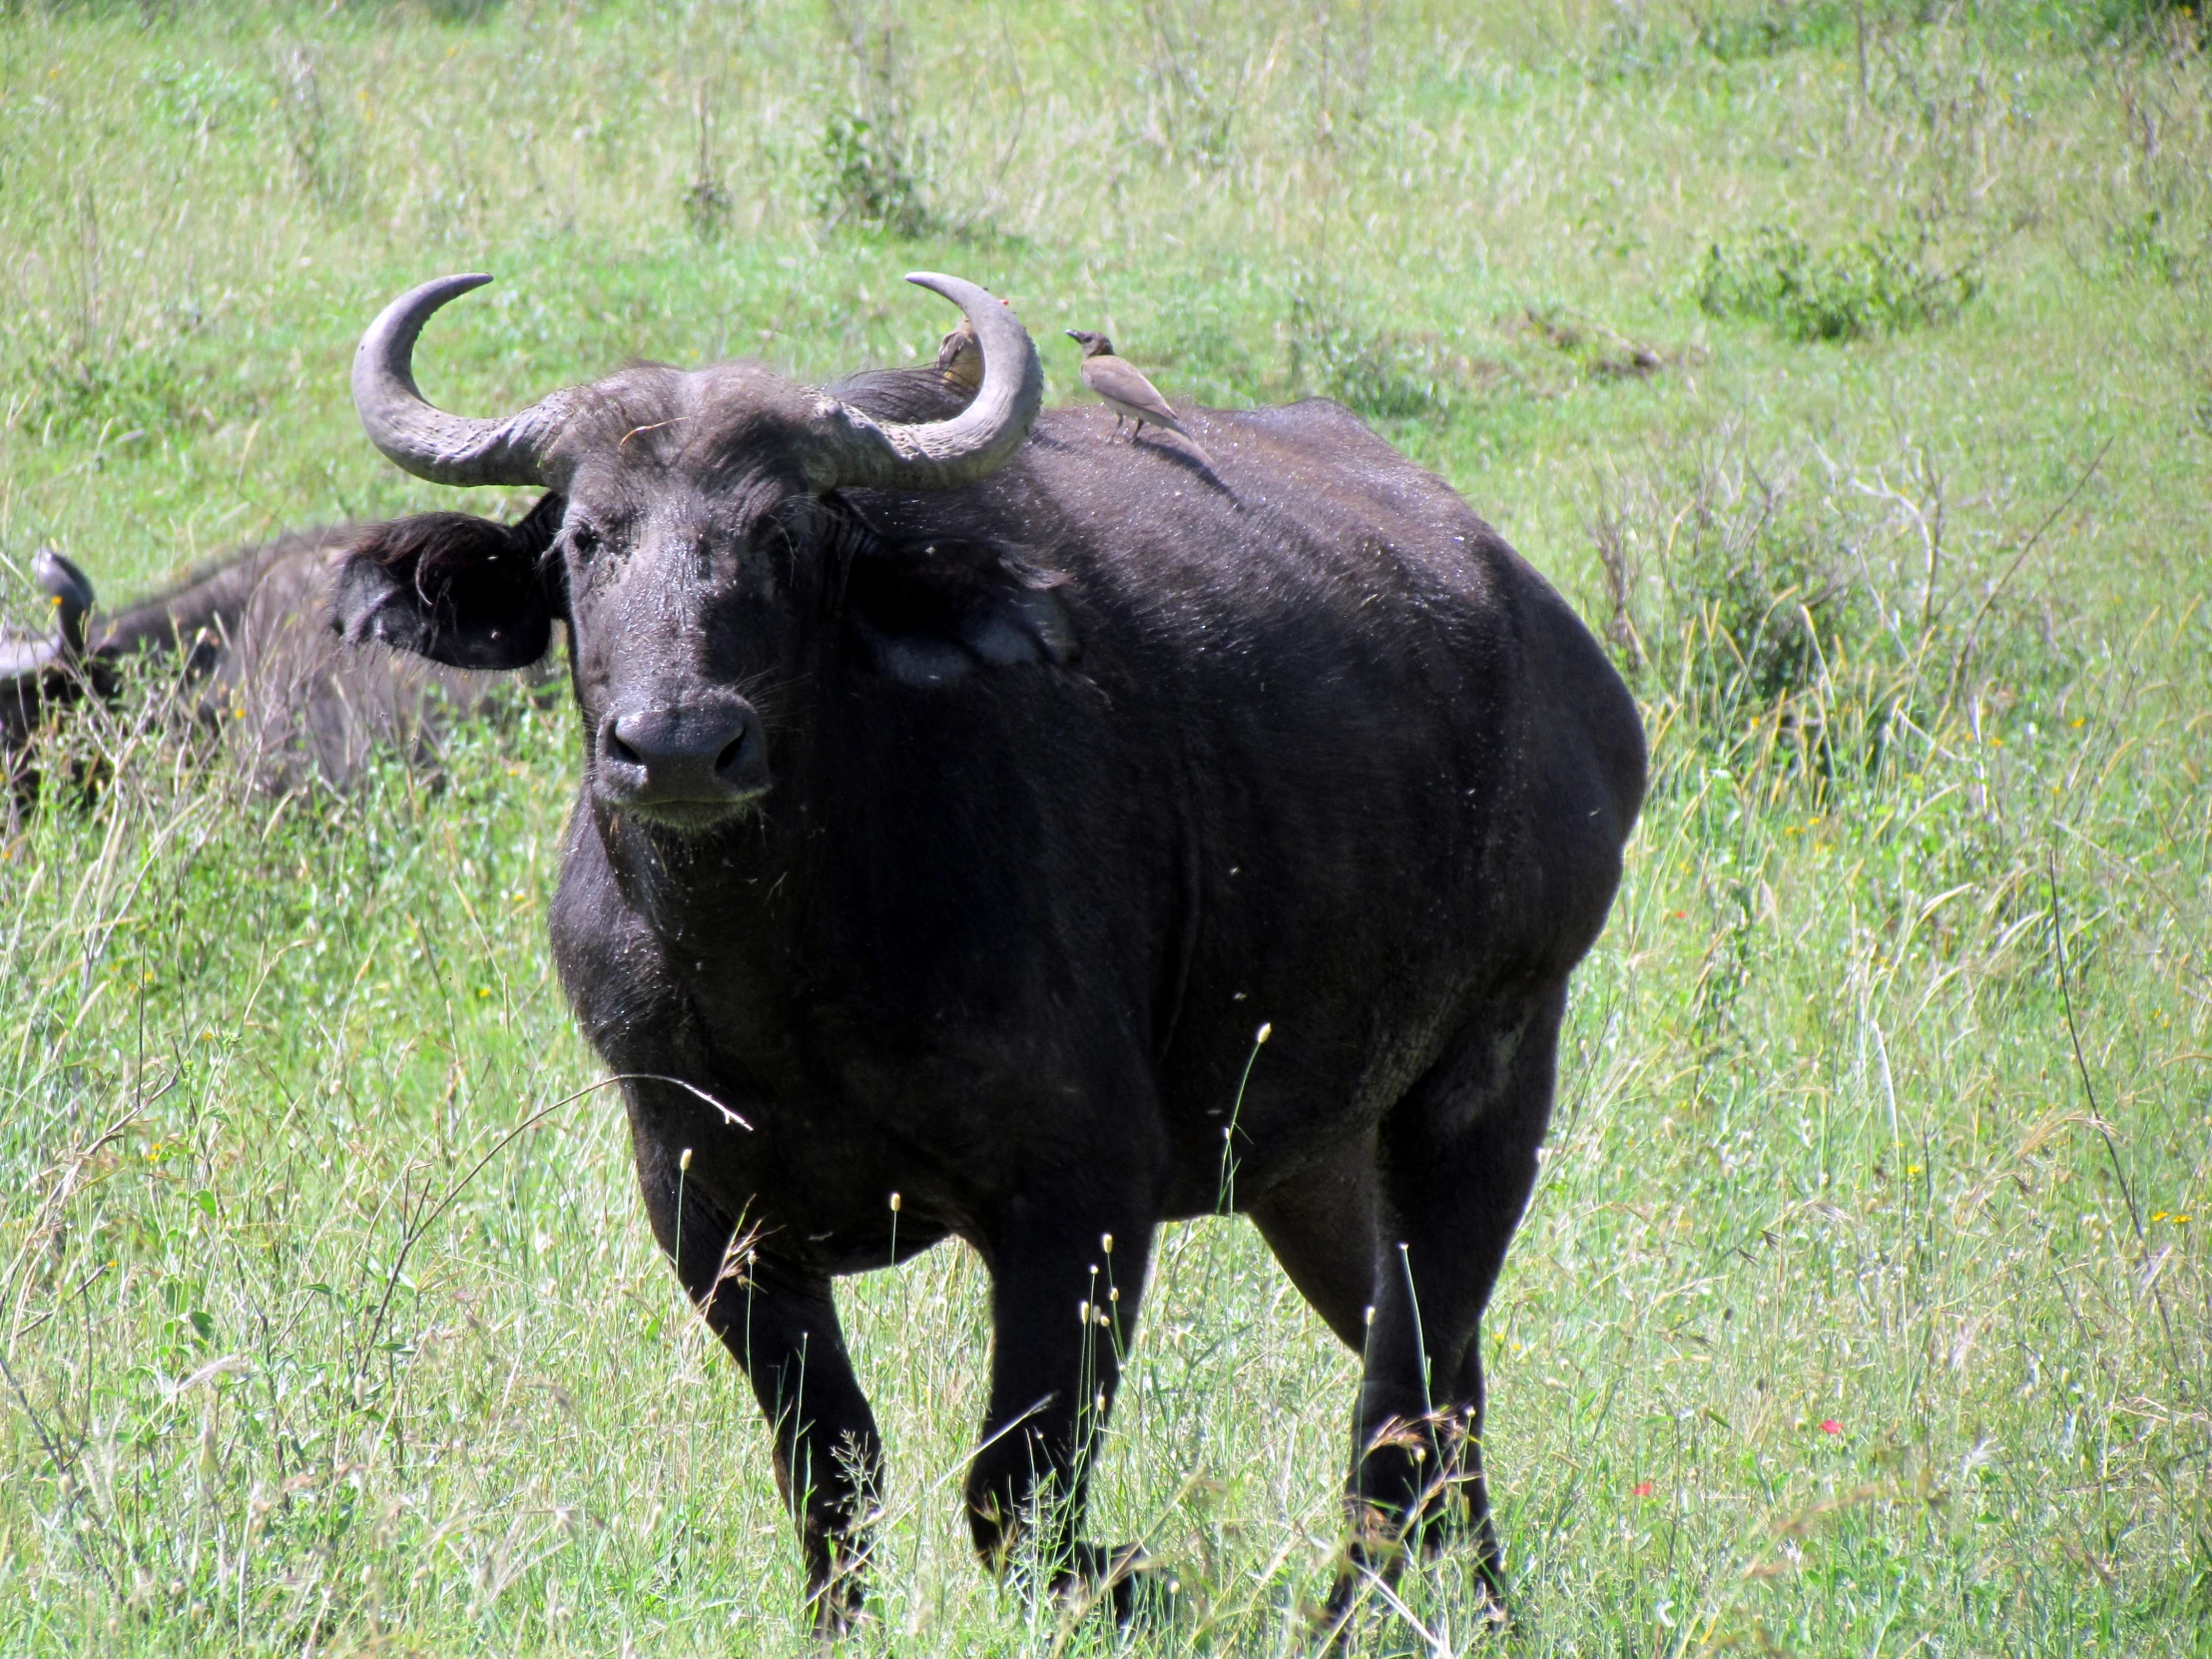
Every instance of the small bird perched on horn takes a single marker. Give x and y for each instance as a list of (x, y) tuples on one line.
[(960, 356), (1125, 391), (960, 359)]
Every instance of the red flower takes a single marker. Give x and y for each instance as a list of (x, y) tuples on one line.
[(1830, 1425), (1642, 1489)]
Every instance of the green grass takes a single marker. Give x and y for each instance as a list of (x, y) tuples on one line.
[(1831, 1328)]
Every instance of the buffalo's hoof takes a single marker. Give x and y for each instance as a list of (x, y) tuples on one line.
[(1121, 1581), (839, 1609), (1361, 1591)]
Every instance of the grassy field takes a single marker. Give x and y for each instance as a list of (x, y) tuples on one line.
[(1849, 364)]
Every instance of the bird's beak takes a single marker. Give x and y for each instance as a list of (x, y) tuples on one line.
[(1073, 335)]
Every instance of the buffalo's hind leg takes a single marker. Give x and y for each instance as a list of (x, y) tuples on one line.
[(780, 1324), (1456, 1161)]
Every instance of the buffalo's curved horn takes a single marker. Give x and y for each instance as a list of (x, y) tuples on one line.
[(426, 442), (857, 451), (71, 591)]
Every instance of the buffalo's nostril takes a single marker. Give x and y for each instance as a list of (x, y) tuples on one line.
[(684, 758)]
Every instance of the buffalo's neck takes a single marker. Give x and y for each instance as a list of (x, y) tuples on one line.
[(672, 948)]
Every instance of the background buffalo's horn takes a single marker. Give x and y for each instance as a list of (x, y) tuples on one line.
[(857, 451), (71, 589), (426, 442)]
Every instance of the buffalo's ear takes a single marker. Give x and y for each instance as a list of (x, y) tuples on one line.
[(464, 591), (929, 616)]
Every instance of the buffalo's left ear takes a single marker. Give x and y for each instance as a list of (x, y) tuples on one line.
[(928, 617), (464, 591)]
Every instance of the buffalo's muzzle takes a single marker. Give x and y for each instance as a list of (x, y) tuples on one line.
[(688, 765)]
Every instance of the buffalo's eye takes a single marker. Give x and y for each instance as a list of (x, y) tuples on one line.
[(583, 537)]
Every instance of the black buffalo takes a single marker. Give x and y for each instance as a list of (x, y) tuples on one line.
[(245, 651), (990, 830)]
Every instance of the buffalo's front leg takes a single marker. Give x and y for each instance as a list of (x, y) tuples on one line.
[(829, 1457), (1065, 1281), (782, 1325)]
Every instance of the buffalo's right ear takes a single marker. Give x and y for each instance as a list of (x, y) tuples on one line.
[(464, 591)]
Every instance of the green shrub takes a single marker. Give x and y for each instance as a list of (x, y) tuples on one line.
[(2099, 20), (871, 165), (2147, 246), (1768, 591), (125, 391), (705, 200), (1381, 372), (1886, 283), (867, 178), (1774, 27), (210, 99), (707, 208), (1212, 364), (1766, 609)]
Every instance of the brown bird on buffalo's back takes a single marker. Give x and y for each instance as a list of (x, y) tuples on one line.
[(1127, 393)]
